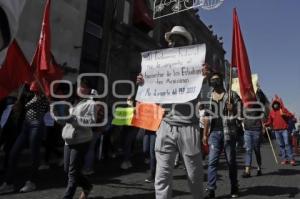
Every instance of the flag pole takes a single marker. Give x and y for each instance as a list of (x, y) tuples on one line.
[(230, 83), (40, 84), (269, 138), (230, 87)]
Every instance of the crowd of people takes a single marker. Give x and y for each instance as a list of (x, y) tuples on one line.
[(217, 128)]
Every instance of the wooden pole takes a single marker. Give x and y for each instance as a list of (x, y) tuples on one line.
[(230, 88), (39, 84), (230, 84), (275, 156)]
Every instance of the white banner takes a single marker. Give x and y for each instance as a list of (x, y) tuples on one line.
[(172, 75)]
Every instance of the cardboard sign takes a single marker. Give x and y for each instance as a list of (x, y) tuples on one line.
[(148, 116), (123, 116), (172, 75)]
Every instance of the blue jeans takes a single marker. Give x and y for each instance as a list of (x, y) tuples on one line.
[(90, 156), (252, 142), (32, 132), (73, 163), (283, 140), (148, 148), (216, 145)]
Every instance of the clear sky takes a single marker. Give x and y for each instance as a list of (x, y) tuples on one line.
[(271, 30)]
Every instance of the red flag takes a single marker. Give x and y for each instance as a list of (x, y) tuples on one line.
[(44, 64), (15, 71), (241, 61)]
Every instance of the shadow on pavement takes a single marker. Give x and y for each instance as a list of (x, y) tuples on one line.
[(291, 192), (284, 172), (145, 195)]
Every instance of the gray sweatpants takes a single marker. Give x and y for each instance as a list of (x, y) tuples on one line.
[(185, 140)]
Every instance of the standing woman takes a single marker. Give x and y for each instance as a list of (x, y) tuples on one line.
[(77, 134)]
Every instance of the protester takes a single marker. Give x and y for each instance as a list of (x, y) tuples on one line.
[(220, 132), (77, 134), (278, 120), (32, 132), (128, 135), (178, 133), (8, 132), (52, 139), (89, 161), (253, 132), (148, 148)]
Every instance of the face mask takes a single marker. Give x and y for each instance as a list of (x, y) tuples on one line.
[(216, 83), (275, 106)]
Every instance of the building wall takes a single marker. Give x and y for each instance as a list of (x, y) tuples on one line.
[(122, 42)]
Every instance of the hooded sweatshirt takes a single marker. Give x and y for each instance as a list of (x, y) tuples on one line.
[(278, 119)]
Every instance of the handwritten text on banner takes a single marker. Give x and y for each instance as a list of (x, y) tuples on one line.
[(172, 75)]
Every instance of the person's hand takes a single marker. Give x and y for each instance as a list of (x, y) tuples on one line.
[(140, 80), (205, 140), (264, 130)]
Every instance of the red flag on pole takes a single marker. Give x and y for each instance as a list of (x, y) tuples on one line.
[(241, 61), (15, 70), (45, 67)]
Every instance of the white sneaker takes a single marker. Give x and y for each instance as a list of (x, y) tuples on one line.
[(129, 164), (88, 172), (124, 166), (6, 188), (44, 167), (28, 187)]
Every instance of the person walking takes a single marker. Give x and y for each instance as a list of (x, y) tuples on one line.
[(253, 133), (178, 133), (220, 133), (32, 132), (278, 119), (77, 134)]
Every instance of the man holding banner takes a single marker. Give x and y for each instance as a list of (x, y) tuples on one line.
[(220, 133), (172, 77)]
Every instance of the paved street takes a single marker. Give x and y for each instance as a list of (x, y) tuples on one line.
[(111, 183)]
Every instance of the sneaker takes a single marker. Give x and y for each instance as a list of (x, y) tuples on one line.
[(284, 162), (246, 175), (234, 192), (6, 188), (293, 162), (259, 173), (129, 164), (44, 167), (126, 165), (88, 172), (28, 187), (176, 165), (150, 179), (85, 193), (210, 194)]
